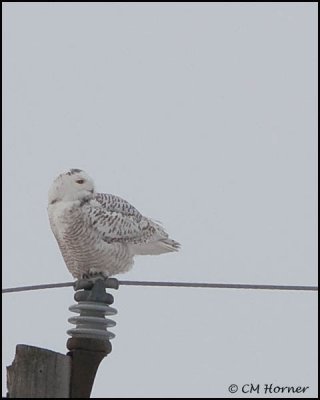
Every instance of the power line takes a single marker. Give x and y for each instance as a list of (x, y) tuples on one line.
[(37, 287), (217, 285), (172, 284)]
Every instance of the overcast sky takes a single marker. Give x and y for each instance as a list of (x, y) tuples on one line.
[(204, 117)]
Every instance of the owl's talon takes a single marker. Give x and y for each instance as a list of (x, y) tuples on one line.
[(93, 275), (97, 274)]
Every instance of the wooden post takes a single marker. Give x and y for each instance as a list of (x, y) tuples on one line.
[(41, 373), (38, 373)]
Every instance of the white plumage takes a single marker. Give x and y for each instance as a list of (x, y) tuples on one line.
[(100, 233)]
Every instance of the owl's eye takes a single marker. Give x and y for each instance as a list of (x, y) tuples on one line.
[(80, 181)]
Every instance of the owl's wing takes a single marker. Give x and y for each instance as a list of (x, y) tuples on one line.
[(118, 221), (115, 203)]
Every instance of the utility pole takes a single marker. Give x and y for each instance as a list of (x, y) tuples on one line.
[(42, 373)]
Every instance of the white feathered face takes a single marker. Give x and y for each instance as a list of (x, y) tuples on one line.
[(70, 186)]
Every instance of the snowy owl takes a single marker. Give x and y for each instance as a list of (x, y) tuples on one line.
[(98, 233)]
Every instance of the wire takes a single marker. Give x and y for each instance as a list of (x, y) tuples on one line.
[(217, 285), (37, 287), (171, 284)]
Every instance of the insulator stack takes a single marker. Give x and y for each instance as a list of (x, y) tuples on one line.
[(93, 306)]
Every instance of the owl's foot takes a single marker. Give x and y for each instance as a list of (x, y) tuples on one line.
[(88, 280), (93, 275)]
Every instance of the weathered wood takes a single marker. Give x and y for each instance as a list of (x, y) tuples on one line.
[(38, 373)]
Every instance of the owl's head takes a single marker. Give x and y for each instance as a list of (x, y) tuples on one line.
[(70, 186)]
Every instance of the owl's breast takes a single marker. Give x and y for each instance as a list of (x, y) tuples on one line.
[(82, 244)]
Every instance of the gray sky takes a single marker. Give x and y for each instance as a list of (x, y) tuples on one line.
[(202, 116)]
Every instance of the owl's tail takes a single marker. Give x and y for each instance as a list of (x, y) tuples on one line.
[(158, 247)]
